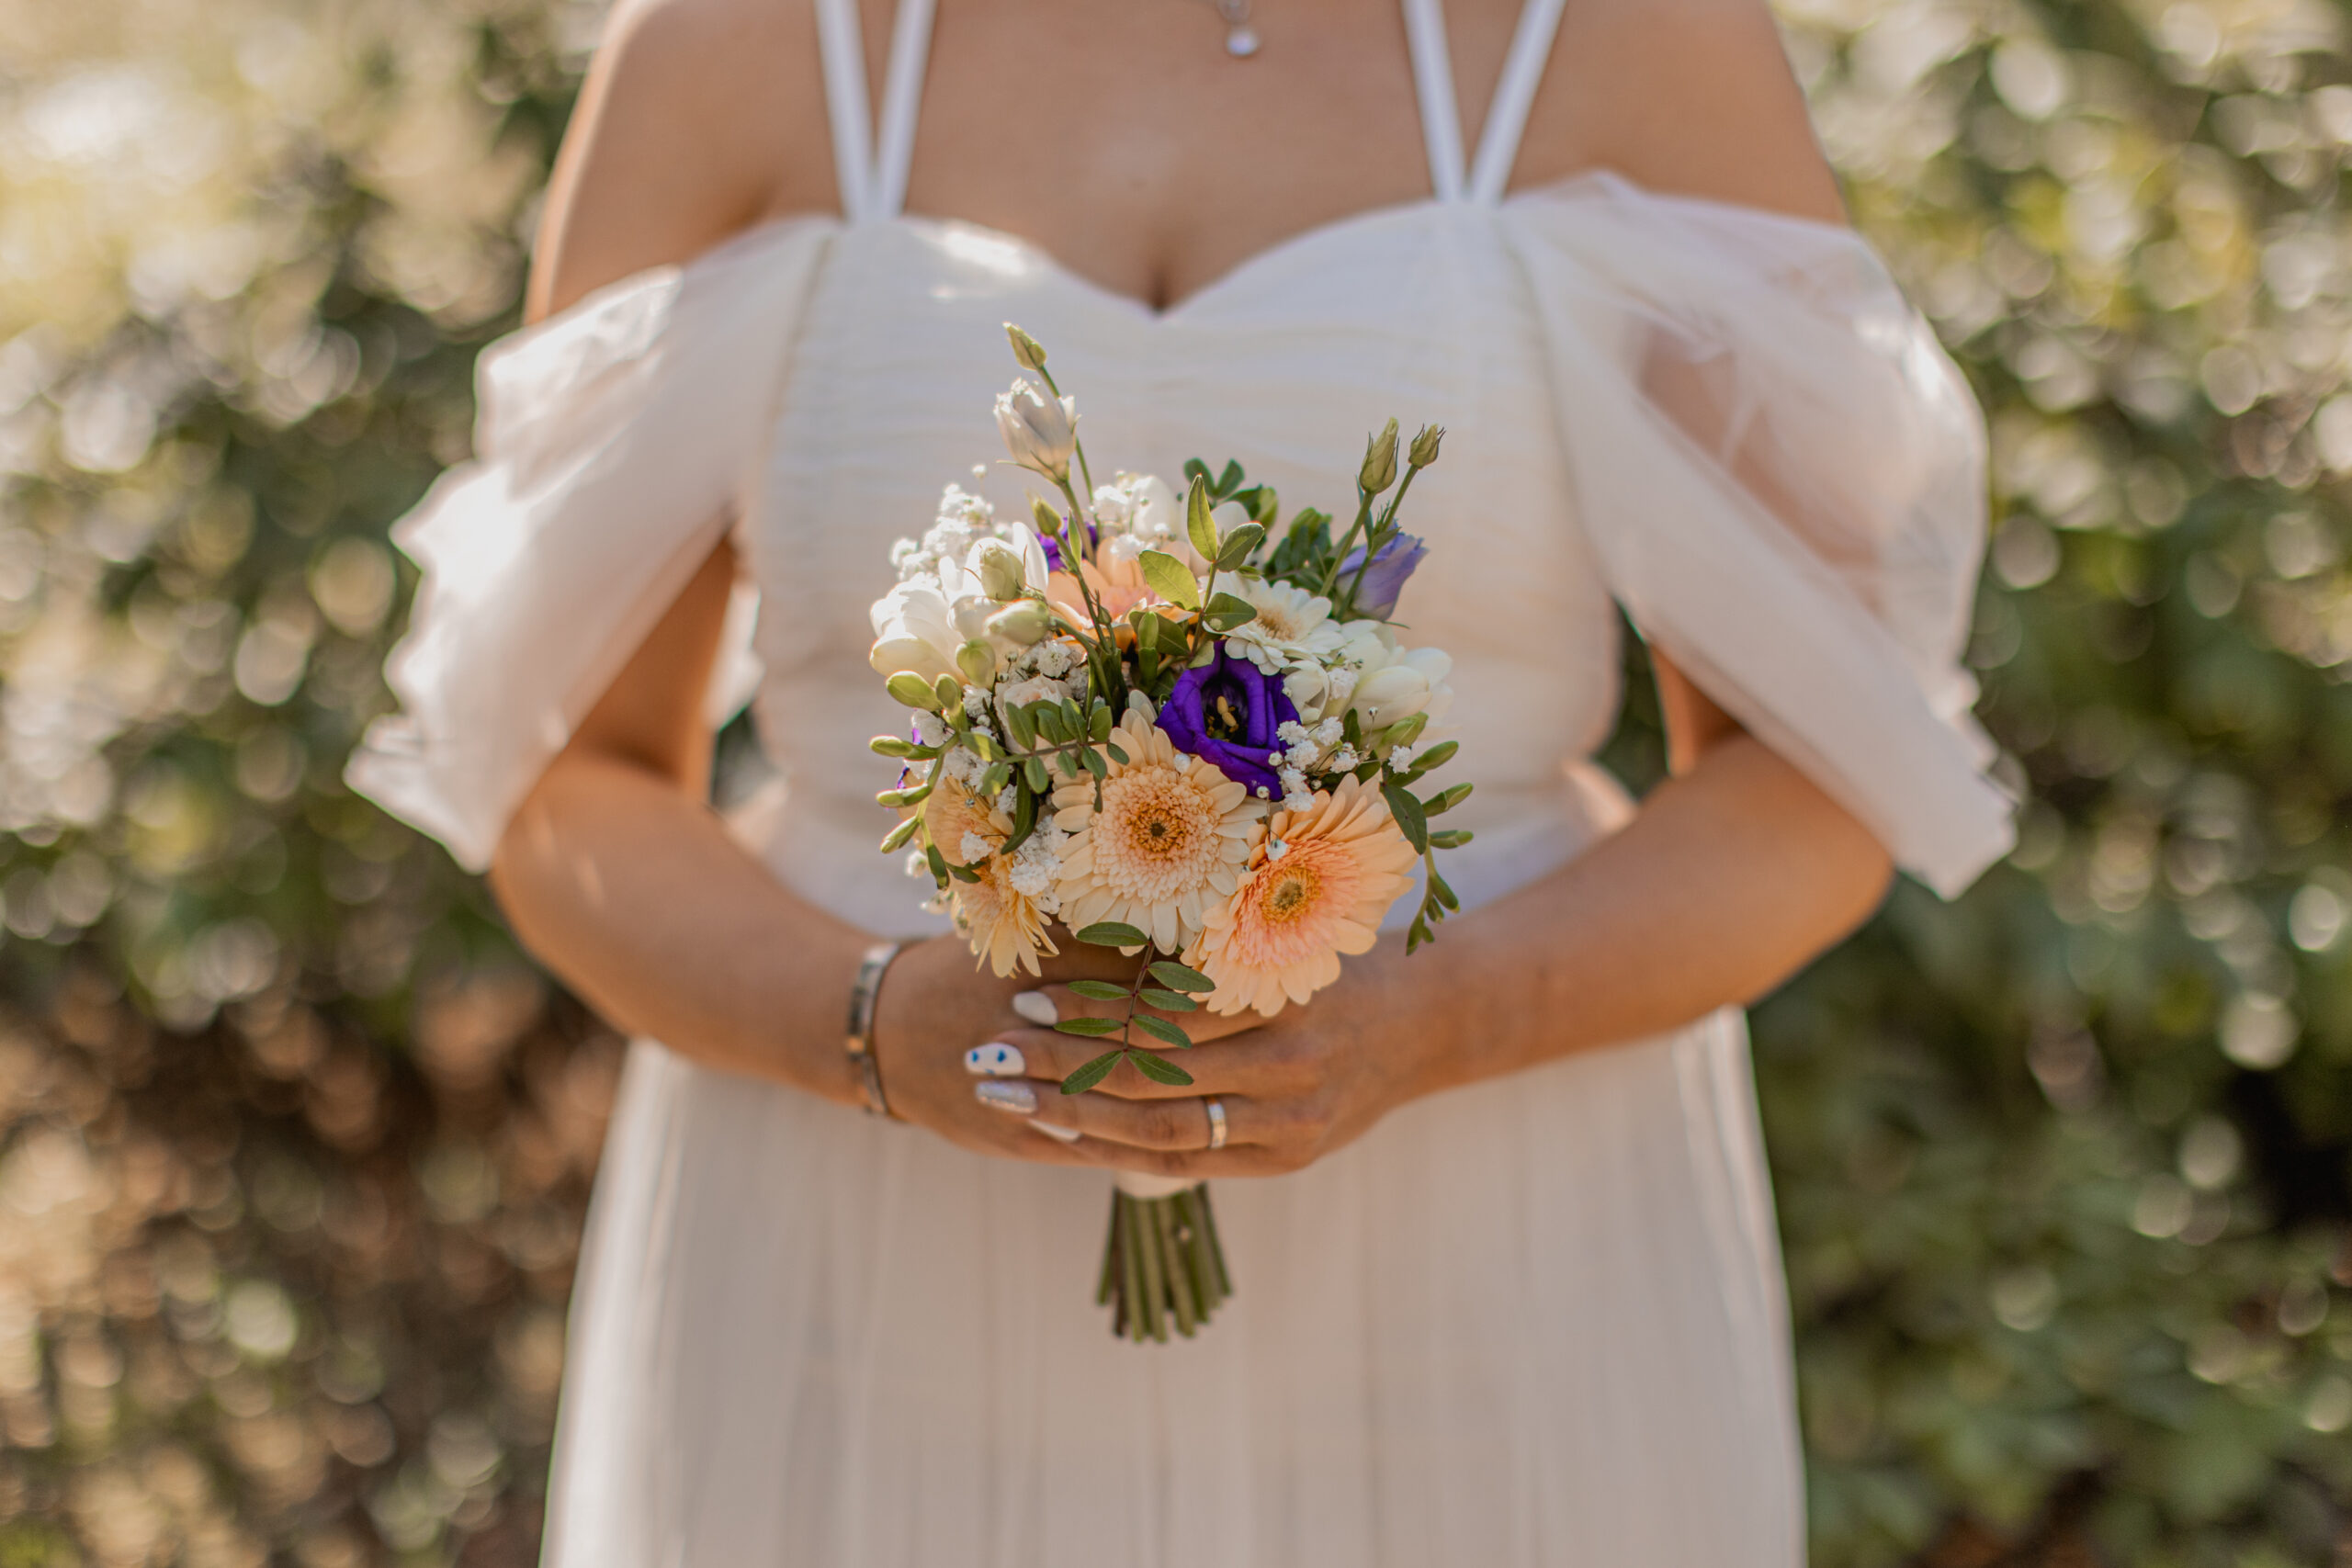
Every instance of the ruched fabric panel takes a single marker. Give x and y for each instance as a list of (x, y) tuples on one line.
[(1782, 474), (613, 445)]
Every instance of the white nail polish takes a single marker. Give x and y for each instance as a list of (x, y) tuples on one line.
[(1017, 1098), (1059, 1134), (996, 1060), (1036, 1007)]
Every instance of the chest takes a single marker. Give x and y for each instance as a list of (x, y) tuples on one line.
[(1136, 149)]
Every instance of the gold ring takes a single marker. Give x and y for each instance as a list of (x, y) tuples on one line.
[(1216, 1123)]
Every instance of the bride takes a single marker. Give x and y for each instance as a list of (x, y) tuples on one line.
[(1509, 1288)]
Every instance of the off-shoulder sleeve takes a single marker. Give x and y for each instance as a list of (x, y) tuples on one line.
[(612, 443), (1783, 476)]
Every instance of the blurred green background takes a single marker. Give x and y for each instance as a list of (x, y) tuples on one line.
[(294, 1144)]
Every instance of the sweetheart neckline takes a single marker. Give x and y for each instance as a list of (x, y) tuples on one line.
[(1603, 181)]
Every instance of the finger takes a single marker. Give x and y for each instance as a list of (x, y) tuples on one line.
[(1049, 1005), (1164, 1126), (1263, 1063), (1030, 1137)]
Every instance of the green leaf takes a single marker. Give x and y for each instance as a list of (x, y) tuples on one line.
[(893, 746), (1111, 934), (1035, 771), (900, 835), (1447, 799), (992, 782), (1095, 764), (1419, 934), (1227, 611), (1118, 754), (1442, 893), (1435, 757), (1205, 657), (1169, 1002), (912, 795), (1229, 480), (1159, 1068), (949, 692), (1238, 545), (914, 691), (1147, 624), (1411, 820), (1161, 1028), (1016, 719), (1098, 723), (1024, 822), (1452, 839), (1170, 579), (938, 864), (1199, 526), (1196, 469), (1094, 1073), (1093, 1026), (1048, 721), (1175, 977), (1101, 991)]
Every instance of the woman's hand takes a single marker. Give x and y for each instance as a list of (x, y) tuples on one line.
[(1293, 1088), (937, 1022)]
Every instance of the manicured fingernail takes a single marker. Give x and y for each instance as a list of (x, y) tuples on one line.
[(1036, 1007), (1017, 1098), (996, 1060), (1059, 1134)]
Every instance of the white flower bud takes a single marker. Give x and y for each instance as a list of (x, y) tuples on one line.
[(1039, 431), (1022, 624), (997, 565), (976, 662)]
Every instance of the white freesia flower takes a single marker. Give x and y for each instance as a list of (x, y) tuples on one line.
[(919, 623), (1293, 628), (1410, 682), (914, 628), (1040, 431)]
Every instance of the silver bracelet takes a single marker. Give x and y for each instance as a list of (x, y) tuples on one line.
[(863, 995)]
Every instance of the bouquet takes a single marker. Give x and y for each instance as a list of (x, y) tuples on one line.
[(1184, 730)]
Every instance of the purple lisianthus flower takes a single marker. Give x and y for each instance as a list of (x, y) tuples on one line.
[(1226, 712), (1376, 595), (1053, 547)]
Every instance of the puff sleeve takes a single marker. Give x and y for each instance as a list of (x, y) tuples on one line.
[(613, 445), (1783, 477)]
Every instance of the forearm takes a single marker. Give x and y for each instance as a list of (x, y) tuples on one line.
[(1729, 879), (634, 893)]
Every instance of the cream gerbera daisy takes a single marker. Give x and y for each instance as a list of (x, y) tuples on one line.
[(1168, 845), (1317, 883), (1292, 626), (1006, 928)]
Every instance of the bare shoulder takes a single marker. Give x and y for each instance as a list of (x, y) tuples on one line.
[(1689, 96), (698, 119)]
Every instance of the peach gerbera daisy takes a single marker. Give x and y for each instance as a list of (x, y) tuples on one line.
[(1168, 845), (1317, 883), (1006, 928)]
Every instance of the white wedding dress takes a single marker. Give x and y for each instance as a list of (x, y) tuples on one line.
[(1536, 1322)]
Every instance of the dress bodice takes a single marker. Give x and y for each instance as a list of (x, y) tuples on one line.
[(1287, 366)]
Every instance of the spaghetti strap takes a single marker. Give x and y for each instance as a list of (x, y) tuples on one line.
[(872, 184), (1433, 85), (901, 105), (1531, 51), (843, 52)]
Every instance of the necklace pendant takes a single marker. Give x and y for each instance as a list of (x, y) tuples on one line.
[(1241, 40)]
